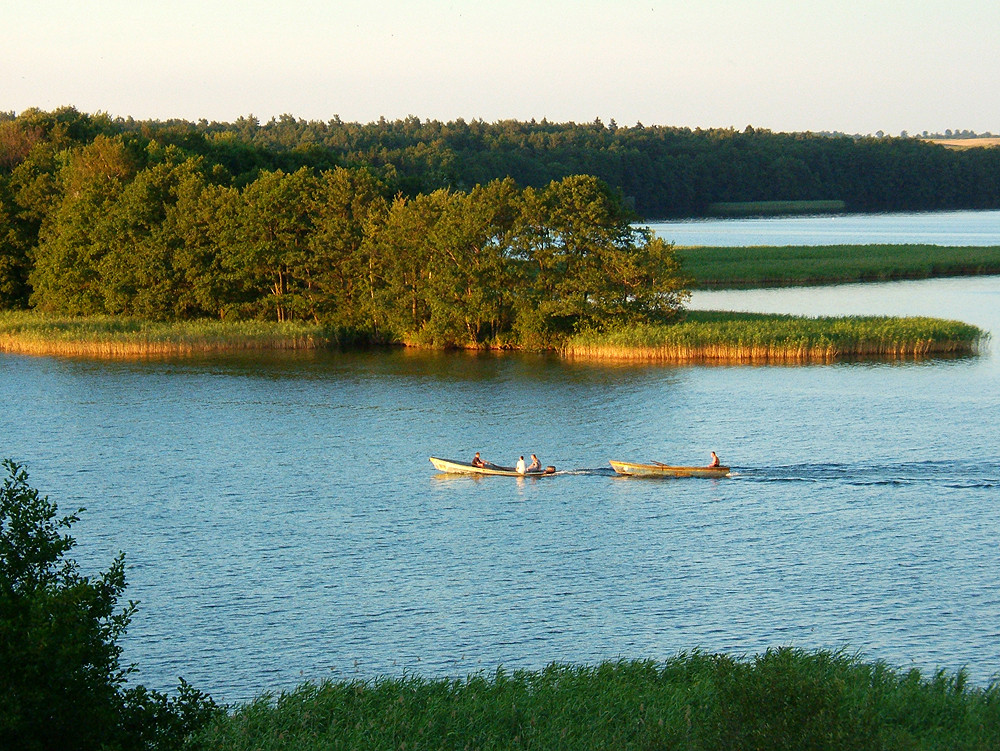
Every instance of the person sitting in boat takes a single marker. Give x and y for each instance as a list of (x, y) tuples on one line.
[(715, 460), (477, 462), (535, 466), (520, 466)]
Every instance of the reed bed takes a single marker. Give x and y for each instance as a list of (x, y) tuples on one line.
[(783, 699), (108, 337), (764, 266), (723, 337)]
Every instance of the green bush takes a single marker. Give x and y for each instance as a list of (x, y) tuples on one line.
[(61, 682)]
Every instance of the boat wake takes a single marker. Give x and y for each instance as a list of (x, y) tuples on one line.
[(597, 471), (950, 474)]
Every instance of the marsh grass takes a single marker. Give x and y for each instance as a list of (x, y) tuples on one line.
[(104, 336), (783, 699), (703, 336), (718, 336), (764, 266)]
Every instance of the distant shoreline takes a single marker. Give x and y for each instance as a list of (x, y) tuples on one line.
[(751, 267)]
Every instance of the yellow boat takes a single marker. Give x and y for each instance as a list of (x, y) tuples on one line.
[(465, 468), (658, 469)]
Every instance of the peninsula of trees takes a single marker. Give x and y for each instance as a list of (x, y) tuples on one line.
[(97, 222), (457, 234)]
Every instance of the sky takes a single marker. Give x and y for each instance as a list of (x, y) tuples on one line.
[(850, 66)]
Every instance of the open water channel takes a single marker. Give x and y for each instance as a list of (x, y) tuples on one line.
[(281, 521)]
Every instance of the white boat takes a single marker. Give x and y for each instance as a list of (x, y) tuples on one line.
[(467, 468)]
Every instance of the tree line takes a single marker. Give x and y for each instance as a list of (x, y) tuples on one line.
[(452, 233), (123, 224), (661, 171)]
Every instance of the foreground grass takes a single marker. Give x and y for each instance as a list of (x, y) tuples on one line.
[(707, 336), (769, 266), (784, 699)]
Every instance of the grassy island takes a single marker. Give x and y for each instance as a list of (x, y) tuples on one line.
[(716, 336), (793, 265), (784, 699), (703, 336)]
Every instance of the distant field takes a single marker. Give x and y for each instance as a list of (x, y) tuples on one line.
[(966, 143), (775, 266)]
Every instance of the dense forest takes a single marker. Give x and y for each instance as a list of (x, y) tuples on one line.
[(451, 233), (660, 171), (99, 219)]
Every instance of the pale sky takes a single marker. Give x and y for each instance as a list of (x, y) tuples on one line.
[(857, 66)]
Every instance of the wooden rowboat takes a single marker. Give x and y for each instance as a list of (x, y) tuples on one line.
[(465, 468), (656, 469)]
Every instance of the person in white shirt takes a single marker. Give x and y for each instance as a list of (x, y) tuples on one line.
[(520, 466)]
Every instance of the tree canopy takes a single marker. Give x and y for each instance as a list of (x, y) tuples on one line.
[(61, 681), (455, 234)]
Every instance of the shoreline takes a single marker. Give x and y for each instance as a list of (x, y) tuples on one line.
[(711, 337)]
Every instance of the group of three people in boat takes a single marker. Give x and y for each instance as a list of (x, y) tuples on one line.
[(535, 466)]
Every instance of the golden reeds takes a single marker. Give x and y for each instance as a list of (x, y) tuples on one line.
[(719, 337), (106, 337), (704, 336)]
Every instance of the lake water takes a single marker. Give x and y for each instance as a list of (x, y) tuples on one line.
[(931, 228), (281, 521)]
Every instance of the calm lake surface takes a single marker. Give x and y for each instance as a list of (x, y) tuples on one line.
[(281, 521), (931, 228)]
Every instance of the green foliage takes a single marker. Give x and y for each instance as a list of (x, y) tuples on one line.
[(761, 266), (492, 267), (61, 683), (774, 208), (783, 699), (250, 221)]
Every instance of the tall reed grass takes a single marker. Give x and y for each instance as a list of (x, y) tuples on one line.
[(764, 266), (783, 699), (718, 336), (704, 336), (103, 336)]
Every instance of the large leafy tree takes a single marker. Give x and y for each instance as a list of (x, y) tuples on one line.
[(67, 273), (62, 685), (274, 231), (471, 281), (14, 257), (589, 266), (60, 675), (348, 206)]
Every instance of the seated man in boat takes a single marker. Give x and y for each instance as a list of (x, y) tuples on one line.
[(535, 466), (477, 462), (715, 460), (520, 466)]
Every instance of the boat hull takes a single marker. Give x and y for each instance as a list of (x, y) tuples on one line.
[(465, 468), (664, 470)]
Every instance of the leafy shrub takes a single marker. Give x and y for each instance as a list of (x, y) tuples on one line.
[(61, 682)]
